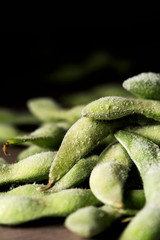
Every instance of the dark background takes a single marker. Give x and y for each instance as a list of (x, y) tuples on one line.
[(28, 58)]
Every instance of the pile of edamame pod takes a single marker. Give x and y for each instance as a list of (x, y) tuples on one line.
[(111, 143)]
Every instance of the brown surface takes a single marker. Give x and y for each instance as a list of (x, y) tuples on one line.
[(50, 229), (47, 229)]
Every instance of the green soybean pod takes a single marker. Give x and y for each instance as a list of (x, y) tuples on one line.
[(79, 140), (151, 132), (108, 177), (33, 168), (16, 210), (109, 108), (146, 156), (25, 190), (91, 221), (45, 109), (133, 199), (76, 175), (144, 85), (48, 135)]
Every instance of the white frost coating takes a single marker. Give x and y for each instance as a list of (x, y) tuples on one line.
[(150, 76), (144, 85), (107, 107)]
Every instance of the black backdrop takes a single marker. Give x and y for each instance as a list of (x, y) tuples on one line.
[(27, 58)]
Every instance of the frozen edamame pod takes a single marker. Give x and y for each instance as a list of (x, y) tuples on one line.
[(79, 140), (149, 131), (76, 175), (146, 156), (45, 109), (88, 221), (26, 190), (48, 135), (91, 221), (20, 209), (109, 108), (133, 199), (108, 177), (33, 168), (144, 85)]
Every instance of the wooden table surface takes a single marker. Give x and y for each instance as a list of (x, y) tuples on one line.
[(48, 228)]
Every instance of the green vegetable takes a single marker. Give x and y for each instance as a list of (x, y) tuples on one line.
[(109, 108), (108, 177), (46, 110), (151, 132), (144, 85), (79, 140), (31, 169), (91, 221), (20, 209), (48, 136), (146, 156)]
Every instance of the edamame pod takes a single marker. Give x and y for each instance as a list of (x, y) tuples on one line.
[(133, 199), (26, 190), (151, 132), (33, 168), (79, 140), (19, 209), (91, 221), (108, 177), (45, 109), (48, 135), (88, 221), (144, 85), (76, 175), (109, 108), (146, 156)]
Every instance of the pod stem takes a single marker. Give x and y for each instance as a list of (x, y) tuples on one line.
[(48, 186), (125, 220), (5, 148)]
